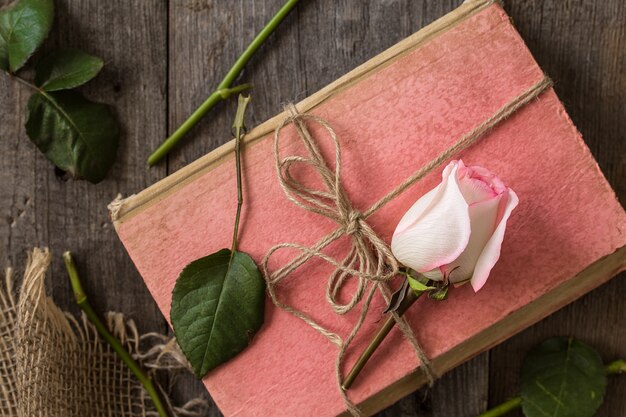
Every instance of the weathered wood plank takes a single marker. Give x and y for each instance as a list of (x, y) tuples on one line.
[(205, 40), (38, 207), (580, 44), (597, 319)]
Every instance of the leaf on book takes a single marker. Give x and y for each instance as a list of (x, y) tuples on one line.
[(218, 304), (67, 68), (23, 27), (562, 377), (79, 136)]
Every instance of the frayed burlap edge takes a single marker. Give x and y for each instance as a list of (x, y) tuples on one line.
[(54, 364)]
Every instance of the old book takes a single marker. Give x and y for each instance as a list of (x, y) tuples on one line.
[(393, 114)]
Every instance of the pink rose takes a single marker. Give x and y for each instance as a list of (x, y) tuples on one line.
[(456, 228)]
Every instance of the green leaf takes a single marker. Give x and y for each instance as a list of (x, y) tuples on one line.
[(417, 286), (77, 135), (23, 27), (67, 68), (4, 54), (218, 303), (439, 294), (562, 377)]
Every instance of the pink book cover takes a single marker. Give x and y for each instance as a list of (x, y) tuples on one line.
[(391, 122)]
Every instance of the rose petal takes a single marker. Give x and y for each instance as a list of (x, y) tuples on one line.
[(423, 204), (434, 274), (488, 177), (483, 217), (491, 252), (438, 233), (417, 210), (475, 190)]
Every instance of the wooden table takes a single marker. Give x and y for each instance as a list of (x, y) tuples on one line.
[(163, 58)]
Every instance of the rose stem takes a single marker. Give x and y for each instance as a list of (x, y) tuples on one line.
[(83, 303), (407, 302), (224, 89), (239, 128), (503, 408), (614, 368)]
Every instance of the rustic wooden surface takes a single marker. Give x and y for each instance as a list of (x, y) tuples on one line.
[(164, 57)]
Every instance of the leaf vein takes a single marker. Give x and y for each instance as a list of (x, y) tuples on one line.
[(219, 302)]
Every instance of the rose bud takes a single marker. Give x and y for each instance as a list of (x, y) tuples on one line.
[(455, 231)]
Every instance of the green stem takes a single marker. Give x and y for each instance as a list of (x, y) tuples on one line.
[(224, 89), (503, 408), (407, 302), (616, 367), (24, 82), (239, 128), (83, 303)]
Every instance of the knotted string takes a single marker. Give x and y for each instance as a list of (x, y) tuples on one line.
[(369, 259)]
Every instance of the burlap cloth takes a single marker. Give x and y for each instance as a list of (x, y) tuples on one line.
[(53, 364)]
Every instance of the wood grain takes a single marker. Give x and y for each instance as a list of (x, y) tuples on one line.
[(38, 207), (163, 59)]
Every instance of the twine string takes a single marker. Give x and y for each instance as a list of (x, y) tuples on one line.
[(369, 260)]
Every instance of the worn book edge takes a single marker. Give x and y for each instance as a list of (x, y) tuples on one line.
[(124, 209)]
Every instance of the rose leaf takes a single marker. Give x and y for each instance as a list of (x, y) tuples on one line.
[(562, 377), (4, 54), (79, 136), (23, 27), (67, 68), (218, 303)]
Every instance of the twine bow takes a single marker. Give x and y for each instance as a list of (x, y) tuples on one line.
[(369, 259)]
